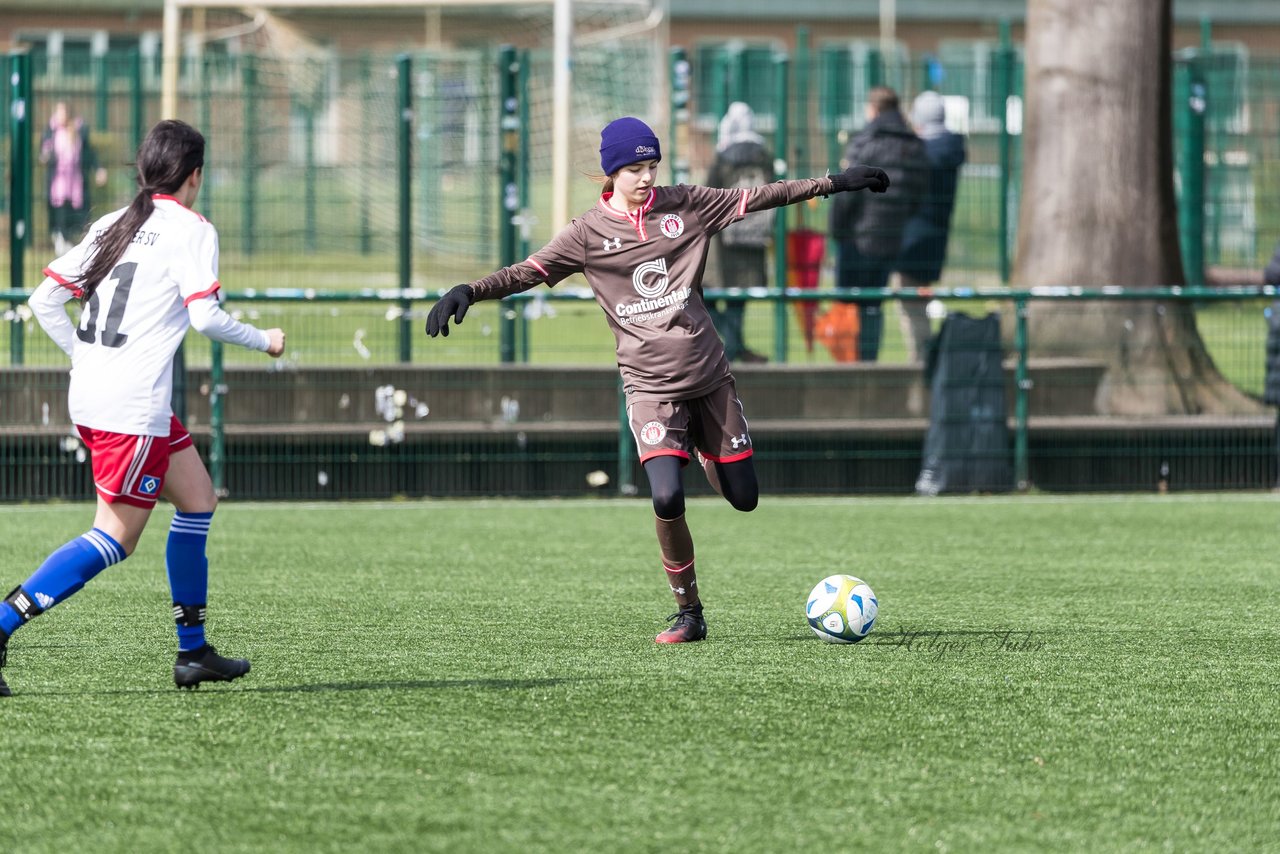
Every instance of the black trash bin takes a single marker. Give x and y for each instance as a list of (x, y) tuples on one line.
[(1271, 383), (966, 448)]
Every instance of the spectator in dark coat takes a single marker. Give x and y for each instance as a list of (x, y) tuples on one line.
[(924, 243), (869, 231)]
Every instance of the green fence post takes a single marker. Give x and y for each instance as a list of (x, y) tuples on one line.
[(101, 89), (508, 236), (205, 102), (217, 425), (800, 147), (428, 152), (137, 120), (678, 137), (364, 73), (834, 65), (309, 174), (1191, 100), (178, 396), (404, 98), (780, 64), (717, 85), (735, 74), (522, 181), (1003, 89), (248, 165), (1021, 392), (626, 447), (21, 108), (875, 67)]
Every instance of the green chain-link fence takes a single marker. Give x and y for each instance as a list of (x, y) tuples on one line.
[(307, 183)]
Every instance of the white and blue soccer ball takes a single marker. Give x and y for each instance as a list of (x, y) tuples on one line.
[(841, 609)]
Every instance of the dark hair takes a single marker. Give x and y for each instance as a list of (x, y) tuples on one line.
[(882, 98), (169, 154)]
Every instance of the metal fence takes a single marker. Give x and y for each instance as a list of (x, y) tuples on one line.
[(341, 417), (348, 190), (384, 171)]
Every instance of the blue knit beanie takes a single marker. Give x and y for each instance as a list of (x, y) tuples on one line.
[(625, 141)]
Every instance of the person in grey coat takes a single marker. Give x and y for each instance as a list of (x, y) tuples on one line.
[(742, 160)]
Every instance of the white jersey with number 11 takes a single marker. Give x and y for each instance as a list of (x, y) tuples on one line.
[(134, 321)]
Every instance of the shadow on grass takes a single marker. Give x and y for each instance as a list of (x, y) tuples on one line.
[(1027, 640), (324, 687), (415, 685)]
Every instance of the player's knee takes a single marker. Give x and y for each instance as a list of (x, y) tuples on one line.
[(199, 502), (739, 485), (668, 502)]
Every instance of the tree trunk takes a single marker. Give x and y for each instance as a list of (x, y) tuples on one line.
[(1098, 205)]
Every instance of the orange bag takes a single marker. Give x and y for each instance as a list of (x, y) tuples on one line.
[(837, 329)]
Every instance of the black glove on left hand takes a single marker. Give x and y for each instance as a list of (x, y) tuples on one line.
[(860, 178), (455, 302)]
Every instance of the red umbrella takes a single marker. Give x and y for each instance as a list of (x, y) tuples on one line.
[(805, 248)]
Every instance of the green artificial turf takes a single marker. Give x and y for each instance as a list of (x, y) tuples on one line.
[(1048, 674)]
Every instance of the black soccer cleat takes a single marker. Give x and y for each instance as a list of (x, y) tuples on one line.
[(4, 653), (689, 626), (205, 665)]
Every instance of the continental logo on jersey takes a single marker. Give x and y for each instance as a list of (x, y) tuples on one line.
[(651, 283), (671, 225), (650, 278)]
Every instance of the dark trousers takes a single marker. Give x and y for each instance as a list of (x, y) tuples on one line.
[(740, 267), (858, 270)]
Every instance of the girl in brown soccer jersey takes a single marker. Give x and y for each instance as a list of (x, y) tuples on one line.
[(642, 249)]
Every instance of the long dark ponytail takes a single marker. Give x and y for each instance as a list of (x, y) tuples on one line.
[(169, 154)]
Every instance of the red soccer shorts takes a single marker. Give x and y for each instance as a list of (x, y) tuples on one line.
[(130, 469)]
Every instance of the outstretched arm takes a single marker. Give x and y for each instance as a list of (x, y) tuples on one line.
[(509, 280), (781, 193), (208, 318), (560, 258)]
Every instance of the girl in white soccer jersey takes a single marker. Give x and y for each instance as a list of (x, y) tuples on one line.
[(642, 249), (143, 274)]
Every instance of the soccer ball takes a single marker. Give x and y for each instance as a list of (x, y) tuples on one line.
[(841, 609)]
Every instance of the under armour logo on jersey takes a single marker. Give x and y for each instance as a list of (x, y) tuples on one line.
[(612, 243), (739, 440)]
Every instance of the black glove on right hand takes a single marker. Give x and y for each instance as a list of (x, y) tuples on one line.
[(455, 302), (860, 178)]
